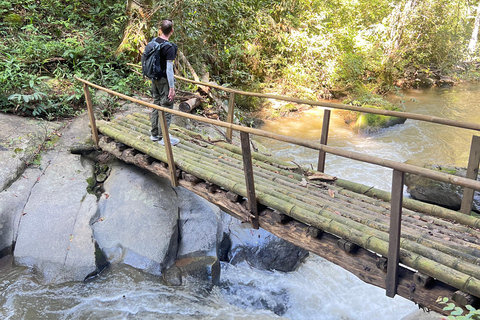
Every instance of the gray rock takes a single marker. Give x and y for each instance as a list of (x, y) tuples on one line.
[(261, 249), (200, 234), (19, 140), (54, 235), (137, 220), (436, 192), (12, 203)]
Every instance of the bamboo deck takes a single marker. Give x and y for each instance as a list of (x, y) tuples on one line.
[(440, 248)]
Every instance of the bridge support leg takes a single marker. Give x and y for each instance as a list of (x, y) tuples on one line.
[(248, 169), (472, 173), (394, 235), (91, 114), (324, 139), (168, 149), (231, 107)]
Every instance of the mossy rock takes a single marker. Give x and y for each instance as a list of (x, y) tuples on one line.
[(369, 122), (436, 192)]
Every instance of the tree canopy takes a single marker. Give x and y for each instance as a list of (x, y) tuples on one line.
[(312, 49)]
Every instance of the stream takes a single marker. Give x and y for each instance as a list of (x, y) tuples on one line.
[(318, 289)]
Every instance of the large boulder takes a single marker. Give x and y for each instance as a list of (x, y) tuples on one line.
[(436, 192), (261, 249), (51, 210), (54, 236), (200, 236), (137, 219)]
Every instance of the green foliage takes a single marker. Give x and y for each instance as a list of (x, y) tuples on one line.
[(457, 313), (56, 40), (308, 49)]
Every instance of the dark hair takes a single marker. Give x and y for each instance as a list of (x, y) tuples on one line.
[(166, 26)]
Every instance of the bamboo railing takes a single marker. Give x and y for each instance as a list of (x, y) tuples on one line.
[(399, 169)]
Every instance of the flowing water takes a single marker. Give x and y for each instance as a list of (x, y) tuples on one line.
[(318, 290)]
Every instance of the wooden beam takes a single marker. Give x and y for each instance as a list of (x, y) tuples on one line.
[(91, 114), (248, 169), (324, 140), (231, 107), (394, 235), (472, 173), (168, 149)]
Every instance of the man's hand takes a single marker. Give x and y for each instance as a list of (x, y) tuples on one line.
[(171, 94)]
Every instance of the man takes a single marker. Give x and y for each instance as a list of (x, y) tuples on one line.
[(163, 89)]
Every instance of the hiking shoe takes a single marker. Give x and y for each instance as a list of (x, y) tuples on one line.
[(174, 141), (154, 138)]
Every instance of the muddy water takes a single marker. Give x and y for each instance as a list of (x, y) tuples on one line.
[(413, 140)]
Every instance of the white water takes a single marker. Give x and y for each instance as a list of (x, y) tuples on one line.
[(319, 290)]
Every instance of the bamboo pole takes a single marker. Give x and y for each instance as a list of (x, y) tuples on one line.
[(411, 204)]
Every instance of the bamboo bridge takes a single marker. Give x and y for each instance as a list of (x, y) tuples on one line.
[(416, 250)]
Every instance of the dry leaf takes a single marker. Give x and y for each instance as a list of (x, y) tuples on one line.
[(321, 176), (331, 193), (303, 183)]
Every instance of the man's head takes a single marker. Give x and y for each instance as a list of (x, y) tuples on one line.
[(166, 26)]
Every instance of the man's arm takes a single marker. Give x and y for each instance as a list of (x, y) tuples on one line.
[(171, 80)]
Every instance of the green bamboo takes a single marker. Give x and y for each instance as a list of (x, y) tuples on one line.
[(382, 227), (146, 132), (429, 209)]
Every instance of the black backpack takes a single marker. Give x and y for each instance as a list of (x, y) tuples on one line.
[(151, 66)]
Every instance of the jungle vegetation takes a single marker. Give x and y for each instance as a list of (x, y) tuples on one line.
[(314, 49)]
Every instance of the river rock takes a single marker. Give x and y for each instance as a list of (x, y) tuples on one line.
[(261, 249), (51, 210), (200, 236), (19, 141), (436, 192), (54, 235), (137, 219)]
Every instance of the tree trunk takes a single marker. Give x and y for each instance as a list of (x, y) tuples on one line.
[(135, 34), (473, 40), (398, 20), (189, 105)]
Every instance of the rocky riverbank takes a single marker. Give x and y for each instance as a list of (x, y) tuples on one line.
[(68, 216)]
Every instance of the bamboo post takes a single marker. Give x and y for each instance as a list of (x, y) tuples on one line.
[(91, 115), (394, 235), (324, 139), (248, 169), (472, 173), (168, 149), (231, 107)]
